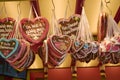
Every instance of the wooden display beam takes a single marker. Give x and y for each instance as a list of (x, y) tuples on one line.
[(79, 4), (117, 16)]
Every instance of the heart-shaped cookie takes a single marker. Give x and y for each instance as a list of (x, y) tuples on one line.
[(19, 62), (95, 47), (87, 48), (115, 48), (56, 55), (55, 61), (7, 27), (19, 54), (116, 39), (77, 45), (53, 50), (8, 47), (34, 31), (69, 26), (61, 43)]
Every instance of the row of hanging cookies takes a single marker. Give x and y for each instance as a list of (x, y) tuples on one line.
[(71, 36)]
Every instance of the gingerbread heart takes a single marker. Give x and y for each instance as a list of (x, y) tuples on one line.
[(95, 47), (56, 55), (77, 45), (69, 26), (7, 27), (20, 53), (55, 61), (87, 48), (8, 47), (116, 39), (34, 31), (61, 43), (115, 48)]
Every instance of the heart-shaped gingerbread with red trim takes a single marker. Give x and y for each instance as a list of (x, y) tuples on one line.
[(69, 26), (34, 31), (7, 27), (61, 43)]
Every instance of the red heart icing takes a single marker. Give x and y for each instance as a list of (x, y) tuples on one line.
[(61, 43), (115, 48), (7, 27), (69, 26), (34, 31)]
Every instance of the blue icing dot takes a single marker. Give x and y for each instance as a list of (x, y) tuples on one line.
[(86, 45), (77, 43)]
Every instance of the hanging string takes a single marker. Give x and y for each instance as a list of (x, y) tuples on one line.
[(30, 13), (56, 29), (84, 31), (101, 6), (46, 49), (5, 10), (113, 28), (35, 11), (53, 5), (17, 34), (53, 17), (1, 9), (66, 10), (106, 4)]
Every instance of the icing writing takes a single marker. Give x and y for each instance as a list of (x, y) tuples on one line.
[(8, 46), (5, 29), (69, 28), (61, 43), (34, 30), (69, 25)]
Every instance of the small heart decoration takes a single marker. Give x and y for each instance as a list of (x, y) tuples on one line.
[(77, 45), (35, 30), (8, 47), (61, 43), (108, 46), (69, 26), (95, 47), (115, 48), (87, 48), (7, 27)]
